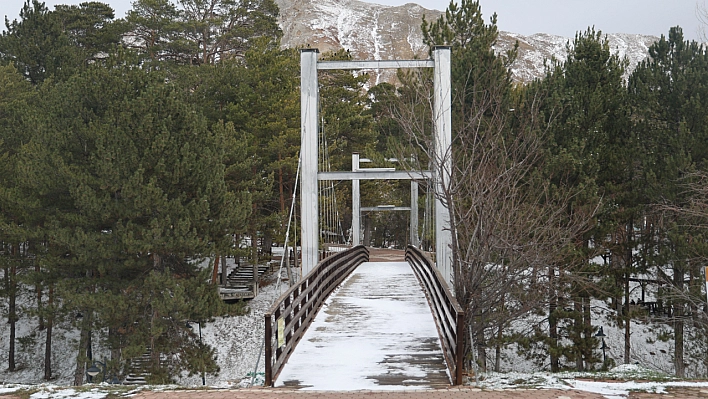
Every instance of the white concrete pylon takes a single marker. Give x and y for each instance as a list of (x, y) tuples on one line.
[(442, 120), (356, 203), (414, 213), (309, 152)]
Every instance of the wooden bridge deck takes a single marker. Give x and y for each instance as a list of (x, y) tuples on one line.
[(375, 332)]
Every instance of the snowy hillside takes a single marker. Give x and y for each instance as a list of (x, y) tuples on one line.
[(535, 49), (376, 32)]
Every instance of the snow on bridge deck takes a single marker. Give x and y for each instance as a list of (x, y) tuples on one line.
[(375, 332)]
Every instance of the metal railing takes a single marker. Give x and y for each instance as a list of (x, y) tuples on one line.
[(288, 319), (448, 315)]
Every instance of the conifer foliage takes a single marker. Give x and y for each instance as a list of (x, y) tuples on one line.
[(133, 179)]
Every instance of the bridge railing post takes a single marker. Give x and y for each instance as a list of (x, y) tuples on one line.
[(268, 349)]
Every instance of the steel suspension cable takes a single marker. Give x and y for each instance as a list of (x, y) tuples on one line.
[(282, 258)]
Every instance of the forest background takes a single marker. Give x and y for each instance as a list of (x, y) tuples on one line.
[(133, 149)]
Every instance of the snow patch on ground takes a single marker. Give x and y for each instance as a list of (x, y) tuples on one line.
[(238, 341), (69, 393), (614, 384)]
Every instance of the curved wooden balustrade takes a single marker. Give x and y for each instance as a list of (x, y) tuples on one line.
[(448, 315), (287, 320)]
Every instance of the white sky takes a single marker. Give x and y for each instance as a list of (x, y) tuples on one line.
[(560, 17)]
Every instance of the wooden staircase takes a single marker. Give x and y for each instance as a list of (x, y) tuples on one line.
[(139, 369), (240, 283)]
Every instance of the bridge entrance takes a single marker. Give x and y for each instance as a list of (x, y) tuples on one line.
[(379, 321)]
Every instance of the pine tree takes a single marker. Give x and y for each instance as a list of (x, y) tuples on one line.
[(259, 96), (669, 93), (590, 133), (46, 43), (18, 224), (133, 178), (198, 32)]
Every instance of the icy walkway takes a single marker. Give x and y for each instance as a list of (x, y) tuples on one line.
[(375, 332)]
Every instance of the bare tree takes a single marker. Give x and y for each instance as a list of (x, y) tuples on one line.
[(511, 226)]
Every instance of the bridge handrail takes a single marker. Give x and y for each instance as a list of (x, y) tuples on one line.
[(298, 306), (448, 315)]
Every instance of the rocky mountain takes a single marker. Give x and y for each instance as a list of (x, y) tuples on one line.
[(372, 31), (534, 49)]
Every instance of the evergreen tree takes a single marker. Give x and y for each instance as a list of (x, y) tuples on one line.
[(47, 43), (18, 220), (259, 96), (669, 93), (154, 28), (133, 180), (590, 132), (201, 32)]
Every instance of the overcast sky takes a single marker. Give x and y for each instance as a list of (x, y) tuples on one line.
[(559, 17)]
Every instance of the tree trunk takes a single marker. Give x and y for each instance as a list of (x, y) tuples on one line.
[(12, 314), (223, 270), (281, 189), (678, 343), (215, 271), (627, 321), (81, 356), (678, 324), (89, 346), (553, 323), (6, 281), (587, 319), (627, 275), (578, 324), (39, 298), (481, 351), (267, 245), (48, 341), (254, 257), (497, 351)]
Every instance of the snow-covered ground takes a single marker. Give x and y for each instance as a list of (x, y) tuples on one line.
[(239, 341), (615, 384)]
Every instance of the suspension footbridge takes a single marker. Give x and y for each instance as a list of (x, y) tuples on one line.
[(352, 322)]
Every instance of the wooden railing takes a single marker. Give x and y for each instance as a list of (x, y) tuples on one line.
[(449, 317), (287, 320)]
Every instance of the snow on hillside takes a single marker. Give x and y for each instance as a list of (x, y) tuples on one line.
[(237, 340), (538, 49), (377, 32)]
